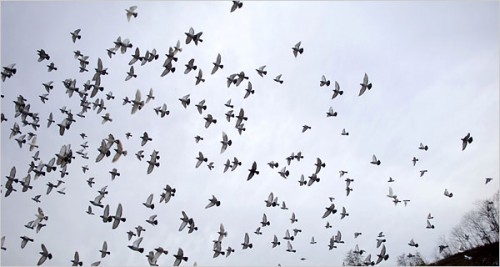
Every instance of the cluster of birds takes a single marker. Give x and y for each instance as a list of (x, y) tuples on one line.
[(112, 145)]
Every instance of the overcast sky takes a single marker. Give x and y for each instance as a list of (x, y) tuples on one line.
[(435, 75)]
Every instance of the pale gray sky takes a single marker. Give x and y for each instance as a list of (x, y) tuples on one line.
[(434, 69)]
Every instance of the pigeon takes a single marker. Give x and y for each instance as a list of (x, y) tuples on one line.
[(467, 139), (331, 113), (264, 221), (302, 181), (213, 202), (139, 229), (185, 101), (261, 71), (225, 142), (236, 5), (236, 163), (118, 217), (413, 244), (228, 104), (391, 193), (253, 171), (422, 147), (382, 255), (390, 180), (190, 66), (375, 161), (275, 241), (290, 248), (324, 81), (337, 90), (257, 231), (278, 79), (97, 201), (246, 242), (191, 36), (365, 85), (217, 64), (51, 67), (139, 154), (179, 257), (287, 236), (429, 225), (135, 245), (131, 12), (145, 138), (305, 128), (152, 220), (114, 173), (169, 192), (422, 172), (414, 161), (448, 194), (200, 159), (368, 260), (45, 254), (297, 49), (343, 213), (76, 260), (222, 232), (42, 56), (199, 77), (273, 164), (249, 90), (271, 201), (488, 180), (329, 210), (319, 164), (201, 106), (149, 203), (130, 74), (293, 219), (136, 56), (331, 245), (284, 172), (89, 210), (313, 178)]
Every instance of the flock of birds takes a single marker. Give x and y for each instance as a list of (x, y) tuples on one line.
[(113, 146)]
